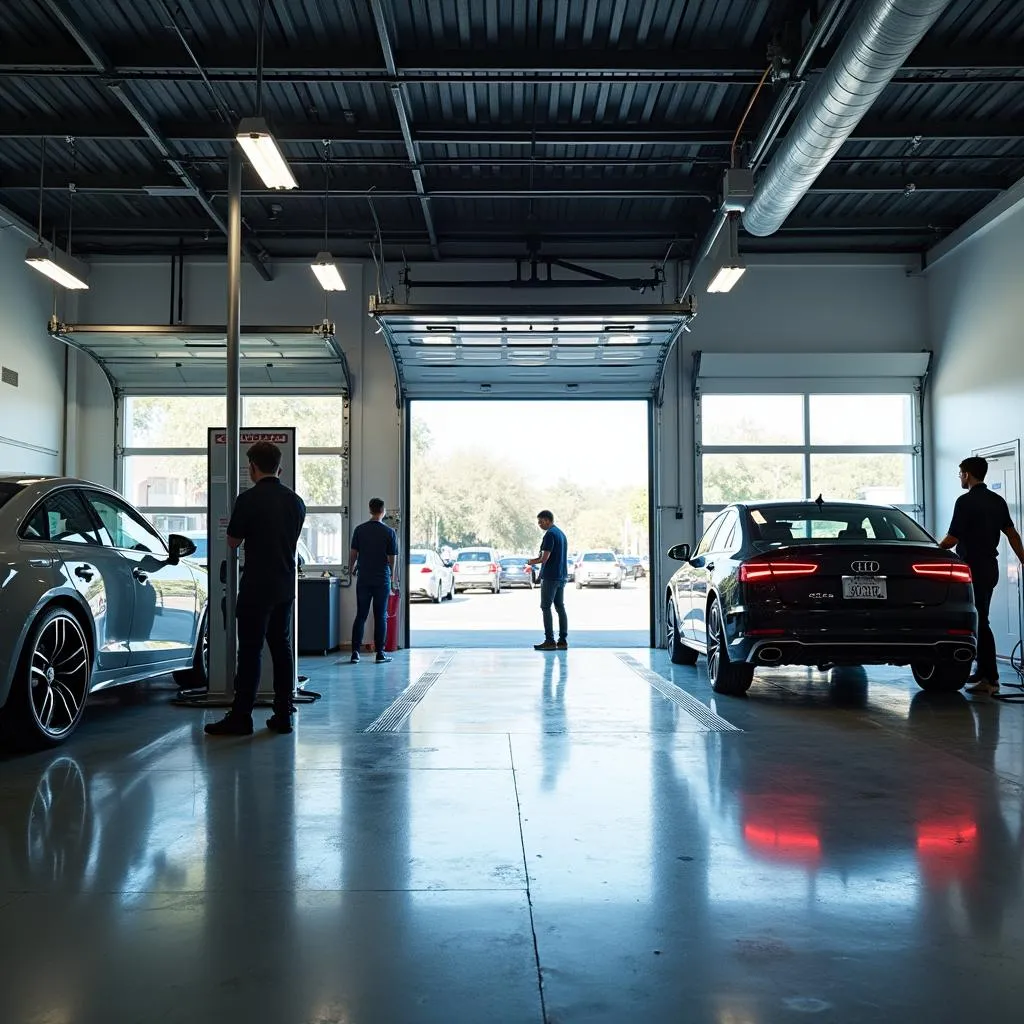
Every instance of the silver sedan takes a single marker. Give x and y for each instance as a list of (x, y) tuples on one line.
[(91, 596)]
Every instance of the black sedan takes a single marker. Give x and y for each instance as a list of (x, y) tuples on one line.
[(824, 584)]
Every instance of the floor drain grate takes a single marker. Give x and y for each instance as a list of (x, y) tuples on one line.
[(693, 707), (398, 712)]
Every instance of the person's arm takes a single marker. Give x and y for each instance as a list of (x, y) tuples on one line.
[(237, 525), (353, 553), (546, 545), (391, 567), (392, 559), (1014, 540), (955, 531), (234, 542), (949, 541)]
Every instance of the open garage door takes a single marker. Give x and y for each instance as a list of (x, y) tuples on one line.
[(521, 352), (140, 356)]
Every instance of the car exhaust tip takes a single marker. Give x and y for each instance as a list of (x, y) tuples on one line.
[(769, 655), (964, 654)]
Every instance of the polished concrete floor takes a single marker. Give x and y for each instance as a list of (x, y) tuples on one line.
[(498, 835)]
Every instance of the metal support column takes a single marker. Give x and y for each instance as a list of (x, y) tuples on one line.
[(234, 341)]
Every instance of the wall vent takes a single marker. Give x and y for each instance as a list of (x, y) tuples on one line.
[(9, 376)]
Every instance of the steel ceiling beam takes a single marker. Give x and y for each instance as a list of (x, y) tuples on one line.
[(398, 98), (61, 10), (876, 130), (661, 187)]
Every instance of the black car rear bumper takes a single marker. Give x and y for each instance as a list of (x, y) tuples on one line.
[(769, 651)]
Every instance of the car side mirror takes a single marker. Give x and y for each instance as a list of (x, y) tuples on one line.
[(179, 547), (679, 552)]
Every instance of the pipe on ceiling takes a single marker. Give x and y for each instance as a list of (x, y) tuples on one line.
[(878, 43)]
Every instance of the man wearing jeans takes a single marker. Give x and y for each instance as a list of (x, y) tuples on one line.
[(372, 557), (553, 574), (979, 516)]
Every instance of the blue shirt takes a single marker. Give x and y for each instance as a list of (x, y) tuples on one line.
[(554, 568), (374, 541)]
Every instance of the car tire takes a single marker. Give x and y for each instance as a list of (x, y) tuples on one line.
[(728, 677), (941, 676), (437, 599), (198, 676), (677, 650), (451, 592), (52, 681), (617, 586)]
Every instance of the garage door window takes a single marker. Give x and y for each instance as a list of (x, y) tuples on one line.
[(761, 447), (163, 467)]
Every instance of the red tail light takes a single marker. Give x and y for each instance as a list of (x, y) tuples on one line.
[(955, 572), (426, 568), (526, 568), (762, 572), (493, 568), (455, 567)]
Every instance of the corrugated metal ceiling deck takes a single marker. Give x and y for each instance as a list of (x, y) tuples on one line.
[(601, 127)]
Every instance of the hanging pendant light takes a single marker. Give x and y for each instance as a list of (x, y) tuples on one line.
[(323, 265), (58, 266)]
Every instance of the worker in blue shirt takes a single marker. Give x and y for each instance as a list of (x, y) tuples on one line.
[(553, 574)]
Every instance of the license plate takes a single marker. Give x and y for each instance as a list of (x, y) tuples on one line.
[(864, 588)]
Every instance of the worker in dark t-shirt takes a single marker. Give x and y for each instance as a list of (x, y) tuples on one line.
[(553, 574), (979, 517), (267, 519), (372, 557)]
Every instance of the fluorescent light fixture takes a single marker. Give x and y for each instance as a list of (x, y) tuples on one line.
[(59, 267), (260, 146), (327, 273), (726, 277)]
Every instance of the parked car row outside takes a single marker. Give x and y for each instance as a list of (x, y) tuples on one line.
[(598, 569), (429, 577), (92, 597)]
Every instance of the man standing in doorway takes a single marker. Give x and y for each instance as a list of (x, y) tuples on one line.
[(267, 519), (373, 554), (979, 516), (553, 574)]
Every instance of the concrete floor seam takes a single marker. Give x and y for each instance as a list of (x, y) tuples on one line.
[(529, 892), (686, 701), (397, 713)]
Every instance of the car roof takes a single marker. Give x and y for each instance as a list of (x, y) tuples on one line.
[(810, 504)]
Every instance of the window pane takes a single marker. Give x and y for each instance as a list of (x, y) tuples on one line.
[(317, 418), (322, 535), (883, 479), (319, 480), (751, 477), (165, 480), (124, 529), (862, 419), (752, 419), (171, 421)]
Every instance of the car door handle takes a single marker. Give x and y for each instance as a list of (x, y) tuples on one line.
[(85, 572), (140, 575)]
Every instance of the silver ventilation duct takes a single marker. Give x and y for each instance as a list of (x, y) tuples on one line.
[(876, 46)]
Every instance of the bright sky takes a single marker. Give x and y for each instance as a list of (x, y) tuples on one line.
[(588, 442)]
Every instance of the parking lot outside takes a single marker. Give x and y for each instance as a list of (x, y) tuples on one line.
[(598, 617)]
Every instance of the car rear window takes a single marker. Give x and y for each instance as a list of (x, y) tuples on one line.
[(417, 559), (513, 561), (841, 524), (8, 491), (598, 556), (474, 556)]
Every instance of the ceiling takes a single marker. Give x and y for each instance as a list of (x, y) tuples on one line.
[(476, 129)]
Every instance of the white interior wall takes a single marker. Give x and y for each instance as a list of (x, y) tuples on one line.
[(840, 305), (976, 321), (31, 414)]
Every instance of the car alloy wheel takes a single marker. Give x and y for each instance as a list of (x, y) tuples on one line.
[(59, 671), (726, 677), (677, 650)]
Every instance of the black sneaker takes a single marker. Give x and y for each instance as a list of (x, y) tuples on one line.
[(355, 657), (562, 645), (230, 725), (548, 645), (280, 723), (381, 658)]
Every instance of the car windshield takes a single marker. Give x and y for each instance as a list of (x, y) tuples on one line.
[(417, 559), (8, 491), (474, 556), (598, 556), (841, 524)]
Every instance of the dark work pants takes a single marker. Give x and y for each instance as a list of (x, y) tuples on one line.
[(371, 595), (552, 592), (272, 622), (986, 576)]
